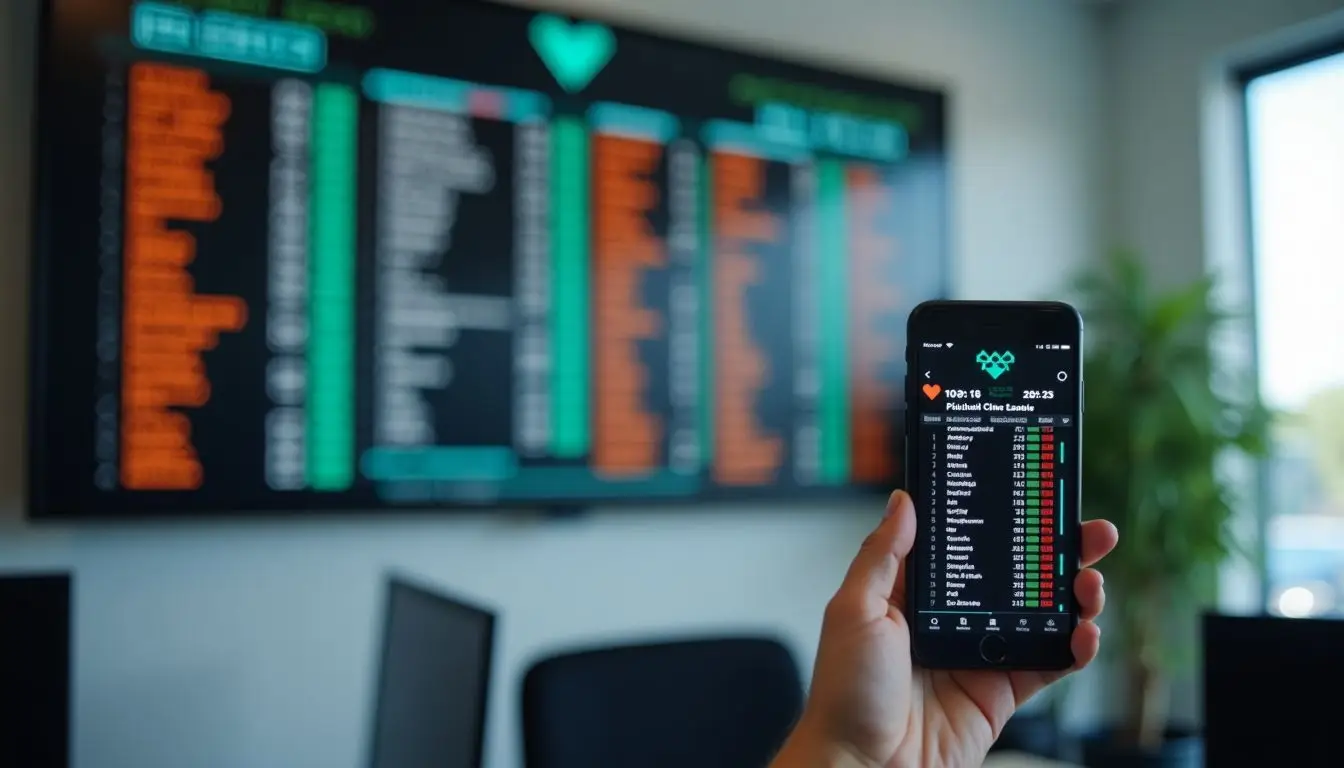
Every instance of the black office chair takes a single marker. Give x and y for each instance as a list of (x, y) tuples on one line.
[(708, 703)]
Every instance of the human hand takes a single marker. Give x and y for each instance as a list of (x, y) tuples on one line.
[(869, 706)]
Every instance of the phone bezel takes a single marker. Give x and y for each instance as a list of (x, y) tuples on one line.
[(958, 319)]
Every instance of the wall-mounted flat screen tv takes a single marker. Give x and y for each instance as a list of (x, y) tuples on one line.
[(302, 255)]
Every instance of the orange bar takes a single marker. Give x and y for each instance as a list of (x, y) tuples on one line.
[(743, 453), (627, 438), (174, 127)]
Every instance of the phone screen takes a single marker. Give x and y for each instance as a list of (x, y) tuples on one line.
[(994, 412)]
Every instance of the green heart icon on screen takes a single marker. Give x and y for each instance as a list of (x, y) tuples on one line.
[(574, 53)]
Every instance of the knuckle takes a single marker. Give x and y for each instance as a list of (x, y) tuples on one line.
[(840, 609)]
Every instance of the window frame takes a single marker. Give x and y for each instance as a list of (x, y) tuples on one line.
[(1242, 77)]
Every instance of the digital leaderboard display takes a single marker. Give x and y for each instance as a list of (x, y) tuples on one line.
[(300, 255)]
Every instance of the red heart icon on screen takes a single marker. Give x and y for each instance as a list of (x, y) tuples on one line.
[(932, 390)]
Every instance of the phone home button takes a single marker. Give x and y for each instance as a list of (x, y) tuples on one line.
[(993, 648)]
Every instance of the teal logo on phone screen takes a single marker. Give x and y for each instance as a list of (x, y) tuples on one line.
[(995, 363)]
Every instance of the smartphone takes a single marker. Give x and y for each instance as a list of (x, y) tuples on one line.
[(993, 428)]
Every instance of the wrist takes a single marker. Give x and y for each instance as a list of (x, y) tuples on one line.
[(808, 747)]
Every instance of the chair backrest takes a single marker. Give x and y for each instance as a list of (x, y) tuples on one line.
[(708, 703)]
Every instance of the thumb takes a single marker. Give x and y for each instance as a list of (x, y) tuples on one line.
[(875, 569)]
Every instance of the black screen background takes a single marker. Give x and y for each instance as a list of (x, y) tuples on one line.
[(989, 462)]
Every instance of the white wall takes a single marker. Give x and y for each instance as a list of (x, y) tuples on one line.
[(250, 643), (1164, 61)]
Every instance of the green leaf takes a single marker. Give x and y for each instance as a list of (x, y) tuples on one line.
[(1180, 310)]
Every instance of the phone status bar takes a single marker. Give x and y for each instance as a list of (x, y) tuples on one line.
[(951, 344)]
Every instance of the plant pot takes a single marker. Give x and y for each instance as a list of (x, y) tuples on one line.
[(1180, 749), (1035, 734)]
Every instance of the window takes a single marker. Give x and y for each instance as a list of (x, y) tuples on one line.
[(1295, 137)]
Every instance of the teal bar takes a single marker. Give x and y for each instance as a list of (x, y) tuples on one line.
[(569, 285), (832, 252), (409, 89), (652, 124), (745, 138), (262, 42), (525, 106), (1061, 453), (545, 483), (571, 482), (707, 388), (229, 37), (445, 463), (331, 342), (160, 27)]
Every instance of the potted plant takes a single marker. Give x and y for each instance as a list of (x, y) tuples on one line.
[(1161, 415)]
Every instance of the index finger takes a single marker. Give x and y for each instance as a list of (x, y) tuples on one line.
[(875, 568)]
